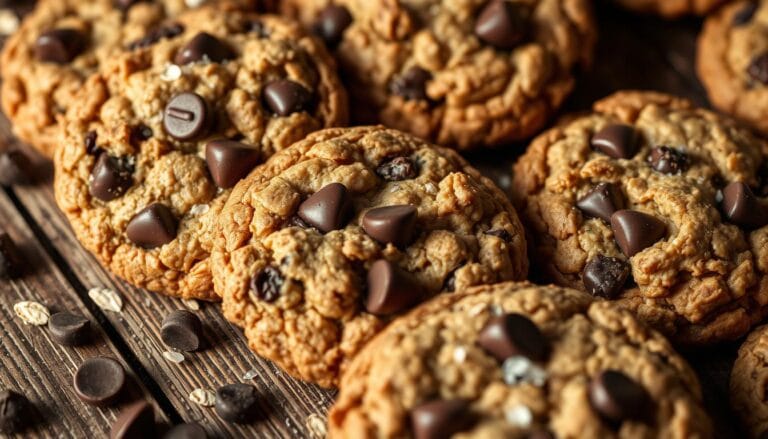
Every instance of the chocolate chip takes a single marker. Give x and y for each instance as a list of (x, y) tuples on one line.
[(140, 133), (397, 169), (191, 430), (156, 35), (617, 141), (152, 227), (99, 380), (513, 334), (441, 418), (237, 403), (186, 116), (635, 231), (391, 224), (204, 47), (91, 148), (616, 397), (15, 168), (328, 209), (331, 23), (758, 68), (604, 276), (229, 161), (500, 233), (295, 221), (741, 207), (10, 258), (59, 46), (285, 97), (69, 329), (136, 421), (503, 24), (668, 160), (744, 15), (602, 201), (411, 84), (267, 283), (182, 330), (110, 178), (391, 289), (16, 412)]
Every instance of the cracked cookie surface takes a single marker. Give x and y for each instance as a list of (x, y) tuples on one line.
[(441, 71), (554, 369), (657, 205), (672, 8), (155, 142), (749, 383), (311, 266)]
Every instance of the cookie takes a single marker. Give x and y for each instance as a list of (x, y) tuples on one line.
[(332, 237), (732, 61), (463, 74), (749, 383), (154, 142), (657, 205), (518, 361), (60, 44), (672, 8)]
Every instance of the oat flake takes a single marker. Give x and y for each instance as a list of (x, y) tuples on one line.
[(191, 304), (316, 426), (203, 397), (174, 357), (32, 313), (106, 299)]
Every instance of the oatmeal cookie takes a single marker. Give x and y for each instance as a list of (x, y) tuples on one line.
[(749, 383)]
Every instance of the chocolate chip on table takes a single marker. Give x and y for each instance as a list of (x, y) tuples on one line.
[(745, 14), (636, 231), (331, 23), (741, 207), (110, 178), (191, 430), (204, 46), (229, 161), (328, 209), (186, 117), (602, 201), (617, 398), (285, 97), (391, 224), (99, 380), (411, 84), (441, 418), (668, 160), (69, 329), (758, 68), (15, 168), (152, 227), (397, 169), (59, 46), (182, 330), (157, 34), (391, 289), (513, 334), (11, 266), (237, 403), (137, 421), (16, 412), (617, 141), (604, 276), (502, 24), (266, 284)]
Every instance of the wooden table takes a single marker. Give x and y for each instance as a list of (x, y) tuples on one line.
[(634, 52)]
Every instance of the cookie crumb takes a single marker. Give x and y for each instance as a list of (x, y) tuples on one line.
[(174, 357), (316, 426), (203, 397), (106, 299), (32, 313), (519, 415)]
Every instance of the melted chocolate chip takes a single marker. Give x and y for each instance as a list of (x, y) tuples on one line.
[(91, 148), (668, 160), (110, 178), (397, 169), (605, 276), (503, 24), (60, 46), (411, 84), (267, 283)]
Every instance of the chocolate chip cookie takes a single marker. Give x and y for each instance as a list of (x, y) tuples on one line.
[(60, 44), (331, 238), (518, 361), (749, 383), (463, 74), (657, 205), (155, 141), (672, 8), (732, 61)]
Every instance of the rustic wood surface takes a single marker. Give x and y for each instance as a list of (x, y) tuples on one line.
[(634, 52)]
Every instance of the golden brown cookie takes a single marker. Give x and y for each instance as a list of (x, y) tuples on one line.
[(332, 237), (518, 361), (463, 74), (672, 8), (154, 142), (749, 383), (657, 205)]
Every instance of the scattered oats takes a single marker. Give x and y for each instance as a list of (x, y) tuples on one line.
[(106, 299), (174, 357), (316, 426), (199, 209), (519, 415), (171, 73), (251, 374), (9, 22), (459, 354), (496, 310), (519, 369), (203, 397), (477, 309), (32, 313), (430, 188)]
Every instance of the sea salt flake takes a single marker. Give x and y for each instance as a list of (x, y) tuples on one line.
[(519, 415), (171, 72), (519, 369), (316, 426), (459, 354), (32, 313), (203, 397), (174, 357), (9, 22), (199, 209), (106, 299), (251, 374)]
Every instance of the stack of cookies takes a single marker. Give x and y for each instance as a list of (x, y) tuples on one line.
[(200, 152)]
